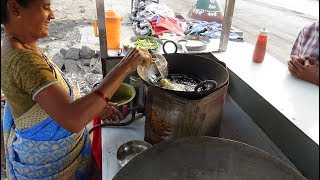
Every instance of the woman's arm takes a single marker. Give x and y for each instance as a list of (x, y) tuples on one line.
[(75, 115)]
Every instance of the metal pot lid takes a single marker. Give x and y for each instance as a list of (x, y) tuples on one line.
[(193, 43), (205, 158)]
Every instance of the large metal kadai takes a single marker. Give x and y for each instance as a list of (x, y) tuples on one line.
[(201, 68), (172, 114), (170, 117), (206, 158)]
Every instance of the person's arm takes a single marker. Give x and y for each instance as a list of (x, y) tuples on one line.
[(75, 115), (307, 70)]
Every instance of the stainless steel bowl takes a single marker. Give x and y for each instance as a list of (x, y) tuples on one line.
[(130, 149)]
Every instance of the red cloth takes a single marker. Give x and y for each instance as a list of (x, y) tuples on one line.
[(166, 24), (96, 144)]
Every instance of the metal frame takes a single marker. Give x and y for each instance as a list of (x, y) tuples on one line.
[(102, 28), (102, 33), (226, 25)]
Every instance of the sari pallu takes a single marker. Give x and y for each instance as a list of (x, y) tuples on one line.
[(44, 150)]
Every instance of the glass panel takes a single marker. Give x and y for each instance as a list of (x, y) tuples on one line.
[(283, 19), (191, 17)]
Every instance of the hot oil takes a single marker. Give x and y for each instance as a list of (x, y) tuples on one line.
[(179, 85), (182, 87), (180, 82)]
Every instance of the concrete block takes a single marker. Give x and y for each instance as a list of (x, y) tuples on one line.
[(72, 53), (71, 66), (86, 52), (58, 60)]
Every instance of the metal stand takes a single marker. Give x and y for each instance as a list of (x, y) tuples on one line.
[(109, 62), (226, 25), (102, 34)]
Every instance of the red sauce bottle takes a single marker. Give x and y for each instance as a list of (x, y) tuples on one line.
[(261, 46)]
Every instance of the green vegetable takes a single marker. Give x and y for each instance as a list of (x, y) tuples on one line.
[(146, 43)]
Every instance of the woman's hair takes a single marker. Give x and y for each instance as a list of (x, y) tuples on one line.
[(4, 8)]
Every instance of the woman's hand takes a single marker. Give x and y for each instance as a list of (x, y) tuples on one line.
[(134, 58), (111, 114), (306, 69)]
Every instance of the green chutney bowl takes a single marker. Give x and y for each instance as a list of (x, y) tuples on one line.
[(124, 94)]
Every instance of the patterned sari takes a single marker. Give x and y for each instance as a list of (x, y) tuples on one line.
[(38, 148)]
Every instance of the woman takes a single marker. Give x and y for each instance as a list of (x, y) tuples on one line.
[(45, 118)]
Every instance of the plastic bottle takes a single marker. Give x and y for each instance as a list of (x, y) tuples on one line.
[(113, 29), (261, 46)]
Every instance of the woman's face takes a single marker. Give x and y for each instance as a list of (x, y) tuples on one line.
[(35, 18)]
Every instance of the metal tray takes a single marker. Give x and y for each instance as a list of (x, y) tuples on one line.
[(206, 158)]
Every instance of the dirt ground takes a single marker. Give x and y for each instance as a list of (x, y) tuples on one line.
[(69, 16)]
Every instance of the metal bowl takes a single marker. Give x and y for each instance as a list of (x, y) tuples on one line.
[(130, 149)]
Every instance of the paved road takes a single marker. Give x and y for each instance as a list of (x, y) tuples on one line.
[(284, 23)]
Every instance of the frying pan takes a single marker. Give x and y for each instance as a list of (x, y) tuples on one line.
[(212, 74), (204, 158)]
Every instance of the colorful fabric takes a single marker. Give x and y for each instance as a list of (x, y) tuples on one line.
[(212, 30), (307, 42), (36, 147), (23, 74), (162, 24)]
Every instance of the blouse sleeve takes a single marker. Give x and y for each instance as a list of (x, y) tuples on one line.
[(33, 73)]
